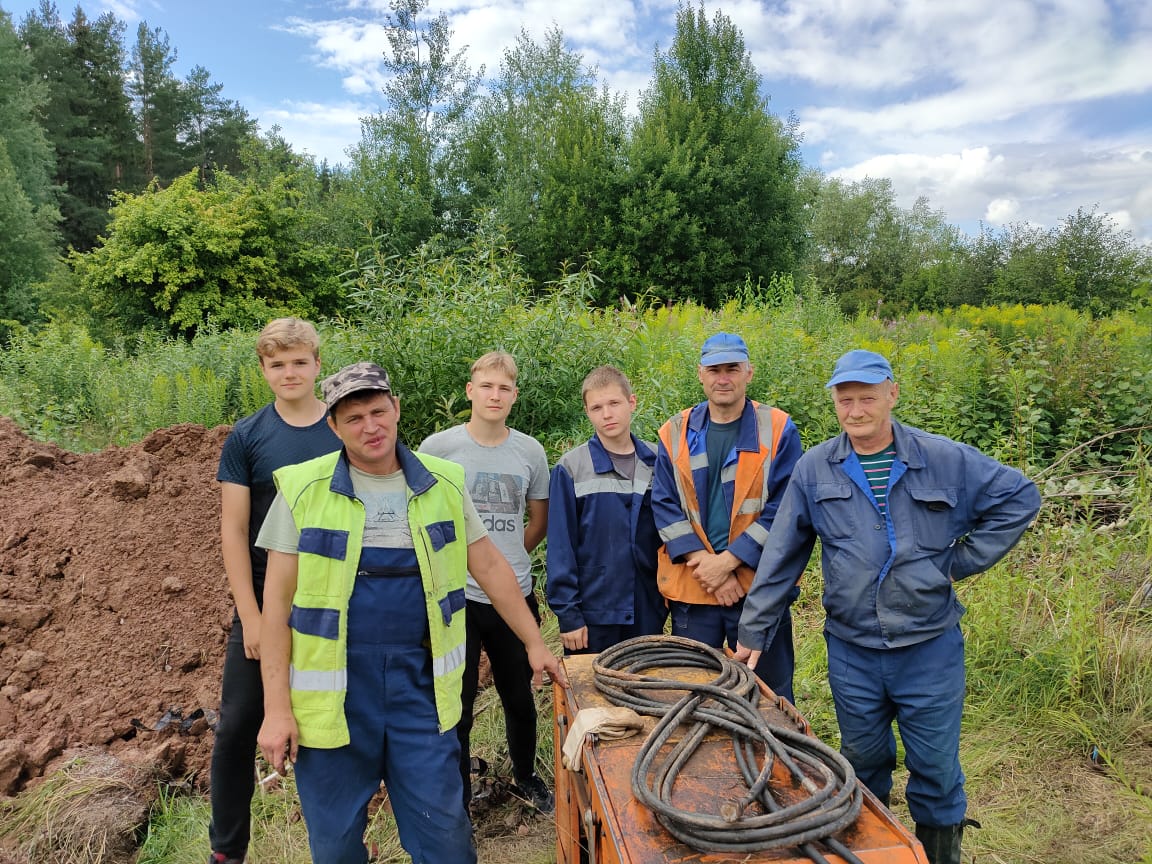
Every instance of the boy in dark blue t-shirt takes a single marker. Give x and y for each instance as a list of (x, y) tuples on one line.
[(293, 428)]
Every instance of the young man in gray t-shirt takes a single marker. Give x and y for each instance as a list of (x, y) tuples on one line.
[(507, 476)]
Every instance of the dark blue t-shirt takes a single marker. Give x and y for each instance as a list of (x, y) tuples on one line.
[(720, 438), (258, 445)]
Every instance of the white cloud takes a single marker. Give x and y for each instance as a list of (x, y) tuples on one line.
[(608, 35), (941, 178), (323, 130), (351, 46), (979, 105), (1001, 211), (126, 11), (1017, 183)]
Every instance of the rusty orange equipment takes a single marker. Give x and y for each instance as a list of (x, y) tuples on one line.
[(599, 820)]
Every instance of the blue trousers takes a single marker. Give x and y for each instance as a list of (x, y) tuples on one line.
[(650, 612), (392, 721), (717, 625), (921, 687)]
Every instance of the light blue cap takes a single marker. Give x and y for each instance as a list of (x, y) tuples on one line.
[(723, 348), (864, 367)]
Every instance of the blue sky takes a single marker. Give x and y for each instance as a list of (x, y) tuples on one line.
[(995, 110)]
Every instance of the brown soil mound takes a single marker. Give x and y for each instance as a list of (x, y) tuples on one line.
[(114, 608)]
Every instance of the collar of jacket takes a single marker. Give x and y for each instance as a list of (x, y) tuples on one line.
[(418, 478), (907, 448), (602, 460), (749, 437)]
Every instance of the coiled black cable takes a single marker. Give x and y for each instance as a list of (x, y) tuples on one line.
[(729, 702)]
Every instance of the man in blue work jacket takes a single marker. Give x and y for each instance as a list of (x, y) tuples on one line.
[(901, 515), (602, 538)]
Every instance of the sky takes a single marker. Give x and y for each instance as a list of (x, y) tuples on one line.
[(996, 111)]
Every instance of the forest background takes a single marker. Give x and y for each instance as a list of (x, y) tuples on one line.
[(147, 229)]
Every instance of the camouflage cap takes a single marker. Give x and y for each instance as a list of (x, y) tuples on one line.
[(354, 379)]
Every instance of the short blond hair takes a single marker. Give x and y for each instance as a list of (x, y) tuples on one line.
[(605, 376), (283, 333), (500, 361)]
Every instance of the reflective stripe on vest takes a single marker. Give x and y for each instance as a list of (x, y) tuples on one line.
[(620, 485), (450, 662), (315, 680)]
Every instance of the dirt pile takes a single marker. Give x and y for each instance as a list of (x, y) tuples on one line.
[(114, 608)]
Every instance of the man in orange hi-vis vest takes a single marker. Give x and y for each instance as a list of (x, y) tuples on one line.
[(721, 470)]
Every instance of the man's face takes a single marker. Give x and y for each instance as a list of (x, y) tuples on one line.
[(368, 429), (610, 412), (492, 394), (725, 384), (865, 413), (291, 372)]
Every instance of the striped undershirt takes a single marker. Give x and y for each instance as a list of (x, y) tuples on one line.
[(877, 468)]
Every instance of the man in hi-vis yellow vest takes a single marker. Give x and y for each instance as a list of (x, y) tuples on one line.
[(721, 471), (362, 635)]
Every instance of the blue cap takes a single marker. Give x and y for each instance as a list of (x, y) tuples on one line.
[(723, 348), (864, 367)]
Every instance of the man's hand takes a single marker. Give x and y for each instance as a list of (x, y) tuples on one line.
[(746, 655), (251, 637), (575, 640), (729, 593), (712, 570), (542, 660), (278, 738)]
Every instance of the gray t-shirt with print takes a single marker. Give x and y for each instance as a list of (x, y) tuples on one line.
[(385, 498), (501, 480)]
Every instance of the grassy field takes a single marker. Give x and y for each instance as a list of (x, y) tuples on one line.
[(1057, 739)]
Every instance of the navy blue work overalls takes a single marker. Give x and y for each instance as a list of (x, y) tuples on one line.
[(394, 729)]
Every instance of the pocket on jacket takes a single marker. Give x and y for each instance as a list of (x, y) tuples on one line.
[(832, 513), (441, 534), (324, 623), (450, 604), (934, 517), (325, 542)]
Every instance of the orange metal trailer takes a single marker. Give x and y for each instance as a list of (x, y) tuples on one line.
[(598, 820)]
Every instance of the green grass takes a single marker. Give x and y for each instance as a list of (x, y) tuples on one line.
[(1059, 638)]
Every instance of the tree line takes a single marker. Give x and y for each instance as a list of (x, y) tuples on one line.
[(131, 198)]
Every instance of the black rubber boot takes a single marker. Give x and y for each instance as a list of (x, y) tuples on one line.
[(941, 842)]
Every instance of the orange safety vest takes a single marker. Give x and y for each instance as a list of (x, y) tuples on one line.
[(749, 495)]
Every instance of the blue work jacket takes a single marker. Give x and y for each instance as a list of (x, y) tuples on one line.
[(601, 536), (952, 512)]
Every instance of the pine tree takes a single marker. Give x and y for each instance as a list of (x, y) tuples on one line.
[(161, 104), (215, 129), (86, 116), (28, 212), (713, 192)]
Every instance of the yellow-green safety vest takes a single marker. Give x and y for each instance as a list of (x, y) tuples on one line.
[(331, 523)]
